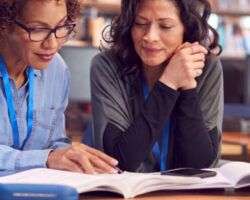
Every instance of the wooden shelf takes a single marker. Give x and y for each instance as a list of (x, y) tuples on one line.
[(231, 149), (234, 10), (233, 55), (236, 145), (233, 13), (102, 7), (78, 43)]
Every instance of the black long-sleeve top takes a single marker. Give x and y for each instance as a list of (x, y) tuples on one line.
[(126, 127)]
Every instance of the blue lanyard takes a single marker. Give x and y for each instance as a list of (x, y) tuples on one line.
[(160, 156), (10, 103)]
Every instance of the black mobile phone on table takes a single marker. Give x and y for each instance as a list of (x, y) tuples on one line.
[(194, 172)]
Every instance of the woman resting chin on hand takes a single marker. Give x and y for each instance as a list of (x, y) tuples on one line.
[(157, 88)]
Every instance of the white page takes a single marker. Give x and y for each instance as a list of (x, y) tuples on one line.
[(81, 182), (236, 171), (140, 183), (127, 184), (218, 181), (227, 177), (50, 176)]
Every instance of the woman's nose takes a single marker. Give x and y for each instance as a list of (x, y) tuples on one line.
[(51, 42), (152, 33)]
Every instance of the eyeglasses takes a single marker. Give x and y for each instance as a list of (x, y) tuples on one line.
[(41, 34)]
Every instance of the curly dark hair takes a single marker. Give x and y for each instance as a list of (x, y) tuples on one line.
[(11, 10), (194, 16)]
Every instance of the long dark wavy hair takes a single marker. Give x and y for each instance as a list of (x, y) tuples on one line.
[(194, 16), (10, 10)]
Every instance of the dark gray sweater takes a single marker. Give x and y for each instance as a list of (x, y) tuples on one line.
[(126, 127)]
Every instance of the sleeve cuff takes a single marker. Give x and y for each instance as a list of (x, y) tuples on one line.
[(32, 159), (168, 90)]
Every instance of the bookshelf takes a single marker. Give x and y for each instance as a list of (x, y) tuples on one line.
[(231, 7), (232, 13), (77, 53), (233, 26), (96, 14)]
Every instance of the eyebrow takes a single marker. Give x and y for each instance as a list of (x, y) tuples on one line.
[(160, 19), (46, 24)]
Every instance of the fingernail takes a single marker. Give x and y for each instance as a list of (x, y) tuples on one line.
[(115, 162), (113, 171)]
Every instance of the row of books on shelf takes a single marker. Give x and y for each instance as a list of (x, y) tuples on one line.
[(234, 38)]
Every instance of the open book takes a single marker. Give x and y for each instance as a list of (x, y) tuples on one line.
[(235, 174)]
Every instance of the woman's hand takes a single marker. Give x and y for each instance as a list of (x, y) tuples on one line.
[(81, 158), (184, 66)]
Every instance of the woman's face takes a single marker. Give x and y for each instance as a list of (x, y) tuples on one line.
[(37, 14), (157, 31)]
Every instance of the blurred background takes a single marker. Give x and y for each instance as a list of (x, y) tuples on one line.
[(231, 18)]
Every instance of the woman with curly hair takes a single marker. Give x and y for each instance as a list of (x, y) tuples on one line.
[(157, 87), (34, 86)]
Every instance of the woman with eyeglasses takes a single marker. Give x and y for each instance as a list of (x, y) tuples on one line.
[(34, 85)]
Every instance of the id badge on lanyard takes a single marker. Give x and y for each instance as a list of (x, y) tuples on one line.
[(10, 103)]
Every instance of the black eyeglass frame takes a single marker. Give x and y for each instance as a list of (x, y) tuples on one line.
[(50, 30)]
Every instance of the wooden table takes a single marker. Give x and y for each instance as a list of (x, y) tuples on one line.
[(240, 194), (236, 146)]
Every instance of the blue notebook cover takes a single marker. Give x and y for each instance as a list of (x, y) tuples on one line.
[(37, 192)]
